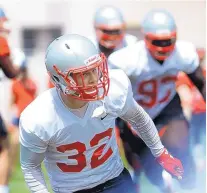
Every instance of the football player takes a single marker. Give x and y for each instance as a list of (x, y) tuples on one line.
[(152, 66), (71, 126), (10, 71), (110, 29), (23, 92)]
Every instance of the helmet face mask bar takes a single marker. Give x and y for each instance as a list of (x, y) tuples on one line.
[(160, 47), (78, 89), (110, 37)]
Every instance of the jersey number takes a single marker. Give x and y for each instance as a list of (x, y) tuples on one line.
[(97, 158), (153, 92)]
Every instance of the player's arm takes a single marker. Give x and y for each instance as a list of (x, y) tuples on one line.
[(184, 89), (32, 153), (5, 61), (13, 94), (6, 65), (198, 79), (31, 167), (192, 67), (145, 127)]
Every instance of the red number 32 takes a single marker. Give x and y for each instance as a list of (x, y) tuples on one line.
[(97, 158)]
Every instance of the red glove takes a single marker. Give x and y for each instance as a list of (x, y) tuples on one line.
[(171, 164)]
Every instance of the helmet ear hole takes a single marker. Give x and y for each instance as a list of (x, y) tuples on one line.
[(55, 78)]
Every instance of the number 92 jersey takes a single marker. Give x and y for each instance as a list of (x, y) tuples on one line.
[(153, 84), (80, 153)]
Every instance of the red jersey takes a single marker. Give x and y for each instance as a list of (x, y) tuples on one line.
[(23, 94)]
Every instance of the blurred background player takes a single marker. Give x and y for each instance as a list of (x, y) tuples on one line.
[(110, 35), (110, 29), (23, 92), (10, 71), (152, 66)]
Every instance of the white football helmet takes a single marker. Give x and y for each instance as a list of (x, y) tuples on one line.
[(71, 54), (109, 25), (159, 29)]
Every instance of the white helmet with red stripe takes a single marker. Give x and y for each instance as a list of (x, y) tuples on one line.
[(109, 25), (71, 56)]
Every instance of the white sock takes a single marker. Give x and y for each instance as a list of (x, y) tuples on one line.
[(4, 189)]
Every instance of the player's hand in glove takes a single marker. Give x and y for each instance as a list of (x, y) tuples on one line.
[(170, 164)]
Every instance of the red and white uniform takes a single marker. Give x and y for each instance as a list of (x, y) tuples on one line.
[(80, 152), (153, 84)]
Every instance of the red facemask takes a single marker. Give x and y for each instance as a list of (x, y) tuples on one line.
[(110, 37), (160, 46), (89, 92)]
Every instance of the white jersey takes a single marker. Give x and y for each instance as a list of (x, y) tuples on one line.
[(153, 84), (80, 153)]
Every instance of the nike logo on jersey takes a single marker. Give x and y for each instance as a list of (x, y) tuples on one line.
[(102, 118)]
